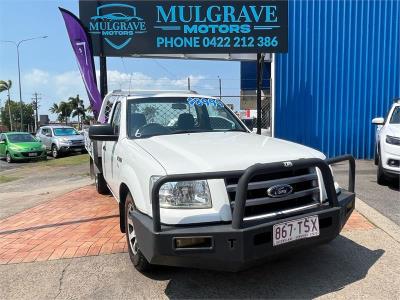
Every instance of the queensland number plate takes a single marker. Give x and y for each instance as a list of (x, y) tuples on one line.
[(295, 230), (32, 154)]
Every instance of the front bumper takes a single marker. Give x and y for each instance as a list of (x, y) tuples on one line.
[(233, 249), (239, 245), (40, 154), (72, 148), (391, 153)]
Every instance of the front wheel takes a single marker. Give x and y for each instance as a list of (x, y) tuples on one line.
[(54, 152), (139, 261), (380, 175), (9, 157)]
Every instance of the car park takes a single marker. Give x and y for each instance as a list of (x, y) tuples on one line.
[(189, 197), (387, 145), (61, 140), (18, 146)]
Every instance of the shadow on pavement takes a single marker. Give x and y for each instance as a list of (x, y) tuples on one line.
[(305, 274)]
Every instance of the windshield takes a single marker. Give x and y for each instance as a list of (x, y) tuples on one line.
[(165, 116), (65, 131), (21, 138), (395, 119)]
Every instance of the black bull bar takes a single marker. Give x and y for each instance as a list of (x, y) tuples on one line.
[(248, 174)]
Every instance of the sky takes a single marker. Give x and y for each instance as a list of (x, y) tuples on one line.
[(48, 66)]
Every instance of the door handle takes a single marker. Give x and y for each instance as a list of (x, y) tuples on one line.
[(119, 159), (104, 147)]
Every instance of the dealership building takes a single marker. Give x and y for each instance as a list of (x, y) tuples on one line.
[(341, 70)]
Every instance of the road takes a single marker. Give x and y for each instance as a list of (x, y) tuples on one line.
[(359, 264), (385, 199), (33, 183)]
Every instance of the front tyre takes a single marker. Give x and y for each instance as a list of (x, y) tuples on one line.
[(54, 152), (139, 261), (380, 175), (9, 158)]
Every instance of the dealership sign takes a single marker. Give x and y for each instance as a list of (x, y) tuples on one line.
[(122, 28)]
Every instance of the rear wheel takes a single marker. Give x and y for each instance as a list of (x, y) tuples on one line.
[(101, 184), (139, 261)]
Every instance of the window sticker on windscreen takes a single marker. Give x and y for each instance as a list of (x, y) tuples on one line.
[(204, 101)]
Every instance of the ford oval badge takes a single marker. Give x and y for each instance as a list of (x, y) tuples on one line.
[(280, 190)]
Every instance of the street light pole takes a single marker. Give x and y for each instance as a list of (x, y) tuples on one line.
[(17, 44)]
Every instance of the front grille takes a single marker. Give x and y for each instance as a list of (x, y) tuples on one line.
[(305, 193), (77, 142)]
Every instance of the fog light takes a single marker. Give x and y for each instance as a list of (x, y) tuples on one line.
[(193, 242), (394, 162)]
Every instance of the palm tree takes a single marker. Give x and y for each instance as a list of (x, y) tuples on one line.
[(78, 109), (6, 86), (65, 110), (54, 109)]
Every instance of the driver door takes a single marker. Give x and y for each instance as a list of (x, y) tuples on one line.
[(2, 145), (110, 162)]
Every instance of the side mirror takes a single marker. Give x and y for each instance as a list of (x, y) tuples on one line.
[(102, 132), (378, 121), (48, 134)]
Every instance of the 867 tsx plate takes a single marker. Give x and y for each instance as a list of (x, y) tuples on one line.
[(295, 230)]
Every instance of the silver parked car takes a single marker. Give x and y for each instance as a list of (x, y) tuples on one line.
[(61, 139)]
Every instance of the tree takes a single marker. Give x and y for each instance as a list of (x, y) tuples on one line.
[(6, 86), (13, 108), (64, 110), (54, 108), (78, 108)]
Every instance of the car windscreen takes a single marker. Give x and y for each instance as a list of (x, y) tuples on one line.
[(174, 115), (21, 138), (65, 131), (395, 118)]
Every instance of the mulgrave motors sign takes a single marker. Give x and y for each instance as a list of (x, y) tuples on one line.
[(122, 28)]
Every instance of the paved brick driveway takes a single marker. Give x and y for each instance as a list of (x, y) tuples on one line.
[(80, 223)]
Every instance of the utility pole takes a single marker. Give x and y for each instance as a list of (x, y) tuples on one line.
[(188, 83), (35, 103)]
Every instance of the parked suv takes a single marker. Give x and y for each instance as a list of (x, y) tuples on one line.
[(61, 139), (387, 145), (197, 189)]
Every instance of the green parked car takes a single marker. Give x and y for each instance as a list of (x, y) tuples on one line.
[(21, 146)]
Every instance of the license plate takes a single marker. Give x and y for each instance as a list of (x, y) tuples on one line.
[(77, 149), (295, 230), (32, 154)]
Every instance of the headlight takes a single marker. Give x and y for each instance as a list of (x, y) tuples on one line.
[(14, 148), (43, 147), (184, 194), (393, 140), (64, 140)]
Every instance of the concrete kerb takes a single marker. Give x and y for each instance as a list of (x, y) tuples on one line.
[(379, 220)]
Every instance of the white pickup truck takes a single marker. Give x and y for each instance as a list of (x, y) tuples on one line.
[(197, 189)]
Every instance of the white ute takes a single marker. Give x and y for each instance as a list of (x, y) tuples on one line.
[(197, 189), (387, 145)]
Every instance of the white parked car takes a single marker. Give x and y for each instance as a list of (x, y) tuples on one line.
[(197, 192), (387, 145)]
